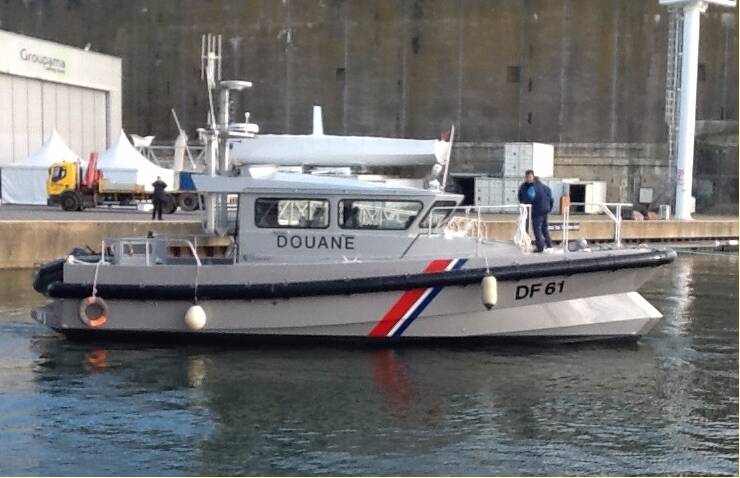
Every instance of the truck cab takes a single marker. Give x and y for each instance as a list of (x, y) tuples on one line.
[(64, 187), (62, 177)]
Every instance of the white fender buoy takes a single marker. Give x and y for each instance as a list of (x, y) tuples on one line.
[(195, 317), (489, 291)]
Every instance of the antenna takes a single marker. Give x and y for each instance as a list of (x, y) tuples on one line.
[(210, 68), (210, 58)]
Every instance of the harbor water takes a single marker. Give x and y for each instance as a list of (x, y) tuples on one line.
[(667, 405)]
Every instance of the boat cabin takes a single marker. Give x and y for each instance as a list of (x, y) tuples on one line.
[(297, 216)]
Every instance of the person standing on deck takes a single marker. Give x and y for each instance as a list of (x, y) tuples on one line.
[(158, 197), (533, 192)]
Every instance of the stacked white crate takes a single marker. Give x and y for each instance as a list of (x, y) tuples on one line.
[(518, 158), (482, 191), (496, 191), (510, 193)]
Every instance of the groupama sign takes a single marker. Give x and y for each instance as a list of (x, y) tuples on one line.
[(49, 63)]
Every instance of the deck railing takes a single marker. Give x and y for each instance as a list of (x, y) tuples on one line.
[(197, 246), (465, 220), (468, 220), (603, 207)]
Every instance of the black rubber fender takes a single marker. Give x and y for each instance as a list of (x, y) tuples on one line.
[(48, 273), (462, 277)]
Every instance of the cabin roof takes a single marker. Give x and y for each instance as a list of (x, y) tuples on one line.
[(302, 183)]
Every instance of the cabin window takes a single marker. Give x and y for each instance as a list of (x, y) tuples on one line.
[(295, 213), (58, 173), (136, 248), (387, 215), (438, 216)]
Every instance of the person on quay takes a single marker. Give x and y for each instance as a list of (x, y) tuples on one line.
[(539, 196), (158, 197)]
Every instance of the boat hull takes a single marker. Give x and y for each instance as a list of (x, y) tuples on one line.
[(596, 305)]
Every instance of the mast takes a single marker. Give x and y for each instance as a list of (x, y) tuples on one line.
[(220, 129)]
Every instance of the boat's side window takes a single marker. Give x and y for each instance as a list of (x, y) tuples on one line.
[(438, 216), (295, 213), (135, 248), (387, 215)]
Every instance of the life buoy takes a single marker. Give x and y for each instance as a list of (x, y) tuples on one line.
[(93, 311)]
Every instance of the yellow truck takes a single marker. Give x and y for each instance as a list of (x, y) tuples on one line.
[(66, 186)]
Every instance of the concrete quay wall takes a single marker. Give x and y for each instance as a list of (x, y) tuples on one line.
[(24, 244), (504, 70)]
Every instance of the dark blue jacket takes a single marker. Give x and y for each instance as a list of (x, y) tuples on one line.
[(538, 195), (159, 187)]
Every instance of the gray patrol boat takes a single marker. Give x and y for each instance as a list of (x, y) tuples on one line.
[(289, 255)]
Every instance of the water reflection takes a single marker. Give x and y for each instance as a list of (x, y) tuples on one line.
[(684, 295), (196, 370), (697, 345), (292, 405)]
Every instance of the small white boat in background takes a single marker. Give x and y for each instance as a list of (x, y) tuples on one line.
[(319, 149)]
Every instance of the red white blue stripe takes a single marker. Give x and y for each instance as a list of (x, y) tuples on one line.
[(412, 302)]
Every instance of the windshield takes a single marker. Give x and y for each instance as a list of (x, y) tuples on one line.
[(373, 214), (438, 216), (58, 173)]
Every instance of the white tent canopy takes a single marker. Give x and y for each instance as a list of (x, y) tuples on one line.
[(25, 182), (55, 150), (122, 164)]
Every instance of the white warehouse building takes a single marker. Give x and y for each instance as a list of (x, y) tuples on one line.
[(47, 86)]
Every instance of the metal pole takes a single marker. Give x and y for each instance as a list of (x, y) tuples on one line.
[(223, 128), (447, 158), (318, 121), (687, 108), (566, 221)]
